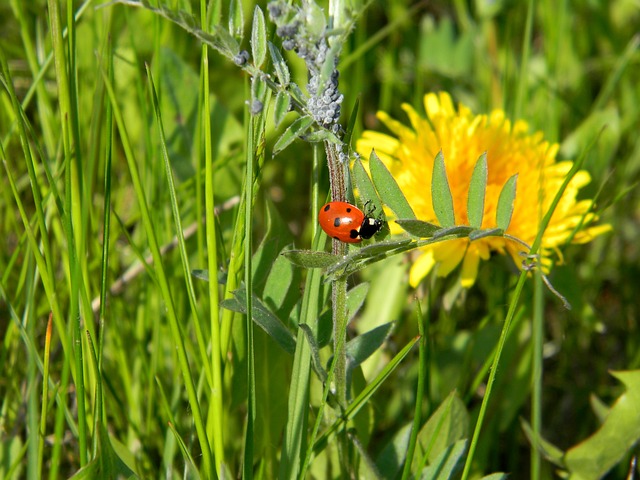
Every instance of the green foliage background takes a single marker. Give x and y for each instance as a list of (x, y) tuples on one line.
[(579, 85)]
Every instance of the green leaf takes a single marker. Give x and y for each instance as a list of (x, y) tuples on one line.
[(315, 352), (355, 299), (106, 463), (441, 193), (459, 231), (546, 448), (496, 476), (418, 228), (258, 38), (366, 190), (595, 456), (487, 232), (447, 464), (297, 128), (280, 66), (236, 19), (201, 274), (365, 395), (505, 203), (448, 425), (363, 346), (282, 103), (259, 89), (310, 258), (322, 135), (388, 189), (477, 190), (263, 317), (282, 287)]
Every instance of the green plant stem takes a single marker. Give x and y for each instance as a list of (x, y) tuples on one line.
[(423, 378), (536, 397), (337, 175), (340, 319), (32, 378)]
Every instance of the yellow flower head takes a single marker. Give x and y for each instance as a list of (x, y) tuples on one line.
[(463, 137)]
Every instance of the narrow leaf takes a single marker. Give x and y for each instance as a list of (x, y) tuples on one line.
[(488, 232), (322, 135), (297, 128), (388, 188), (310, 258), (456, 231), (441, 193), (280, 66), (505, 203), (596, 455), (281, 108), (477, 190), (364, 396), (366, 189), (201, 274), (418, 228), (363, 346), (236, 19), (496, 476), (264, 318), (315, 352), (445, 465), (258, 38), (546, 448), (355, 298)]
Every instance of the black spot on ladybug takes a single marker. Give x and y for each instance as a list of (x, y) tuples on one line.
[(354, 234), (348, 210), (337, 222), (327, 208)]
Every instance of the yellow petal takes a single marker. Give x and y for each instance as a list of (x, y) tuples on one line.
[(421, 267)]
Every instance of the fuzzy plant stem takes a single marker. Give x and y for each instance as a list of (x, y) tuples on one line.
[(339, 287)]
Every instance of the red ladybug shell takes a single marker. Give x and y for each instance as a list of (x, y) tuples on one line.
[(346, 222)]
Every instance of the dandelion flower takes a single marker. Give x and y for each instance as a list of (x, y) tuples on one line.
[(463, 137)]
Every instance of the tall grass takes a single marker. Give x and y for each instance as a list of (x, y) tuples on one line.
[(144, 213)]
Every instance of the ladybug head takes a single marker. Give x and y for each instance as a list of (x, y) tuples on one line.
[(370, 226)]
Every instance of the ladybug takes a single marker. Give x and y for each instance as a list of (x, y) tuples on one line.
[(347, 223)]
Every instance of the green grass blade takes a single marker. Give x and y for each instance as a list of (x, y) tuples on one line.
[(163, 282), (184, 257), (216, 409)]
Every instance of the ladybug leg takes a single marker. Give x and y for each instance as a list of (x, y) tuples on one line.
[(370, 209)]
